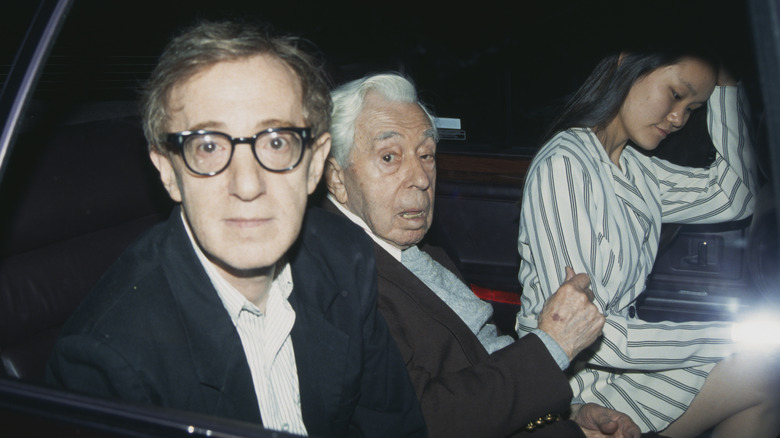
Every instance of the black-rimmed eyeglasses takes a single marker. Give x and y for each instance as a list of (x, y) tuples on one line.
[(208, 153)]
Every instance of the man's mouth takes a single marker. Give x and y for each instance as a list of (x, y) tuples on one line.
[(246, 222), (412, 214)]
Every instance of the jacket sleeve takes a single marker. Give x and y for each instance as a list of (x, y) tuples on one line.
[(493, 398), (84, 364)]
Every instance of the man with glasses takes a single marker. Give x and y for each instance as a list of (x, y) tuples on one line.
[(225, 309)]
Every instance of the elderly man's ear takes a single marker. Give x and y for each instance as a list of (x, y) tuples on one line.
[(334, 179), (320, 151)]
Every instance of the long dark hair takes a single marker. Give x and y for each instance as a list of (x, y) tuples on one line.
[(599, 99)]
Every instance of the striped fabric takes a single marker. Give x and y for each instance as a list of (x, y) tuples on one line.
[(581, 210), (269, 351)]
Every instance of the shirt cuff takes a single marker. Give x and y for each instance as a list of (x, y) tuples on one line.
[(555, 350)]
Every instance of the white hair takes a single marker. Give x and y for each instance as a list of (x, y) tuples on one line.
[(348, 100)]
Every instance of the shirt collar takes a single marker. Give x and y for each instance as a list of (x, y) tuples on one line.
[(233, 300), (395, 252), (598, 150)]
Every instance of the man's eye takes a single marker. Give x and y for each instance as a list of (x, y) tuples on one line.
[(208, 147), (388, 158), (676, 95), (278, 143)]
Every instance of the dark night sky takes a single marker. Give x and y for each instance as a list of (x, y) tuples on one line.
[(501, 71)]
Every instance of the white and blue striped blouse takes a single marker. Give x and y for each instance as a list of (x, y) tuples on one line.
[(581, 210)]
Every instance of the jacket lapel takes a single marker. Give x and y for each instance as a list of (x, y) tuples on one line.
[(321, 349), (392, 271), (216, 350)]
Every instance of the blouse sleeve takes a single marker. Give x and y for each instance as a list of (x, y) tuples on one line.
[(727, 189)]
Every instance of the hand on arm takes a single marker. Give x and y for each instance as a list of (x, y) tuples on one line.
[(569, 316), (598, 421)]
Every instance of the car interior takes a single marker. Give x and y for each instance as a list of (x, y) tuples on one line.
[(77, 187)]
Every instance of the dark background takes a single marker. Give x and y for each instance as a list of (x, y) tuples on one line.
[(503, 68)]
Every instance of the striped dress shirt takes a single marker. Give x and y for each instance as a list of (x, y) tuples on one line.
[(581, 210), (268, 347)]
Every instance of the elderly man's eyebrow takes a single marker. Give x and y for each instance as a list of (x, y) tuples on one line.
[(429, 133), (387, 134)]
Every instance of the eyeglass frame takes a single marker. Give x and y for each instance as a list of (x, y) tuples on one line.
[(180, 138)]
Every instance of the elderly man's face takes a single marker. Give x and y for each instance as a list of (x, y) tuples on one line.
[(245, 218), (391, 176)]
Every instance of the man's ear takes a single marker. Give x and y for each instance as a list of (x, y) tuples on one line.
[(334, 179), (167, 175), (320, 151)]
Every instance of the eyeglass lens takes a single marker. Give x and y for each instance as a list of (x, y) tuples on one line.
[(211, 153)]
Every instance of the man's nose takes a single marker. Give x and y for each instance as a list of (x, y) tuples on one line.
[(247, 177), (419, 176)]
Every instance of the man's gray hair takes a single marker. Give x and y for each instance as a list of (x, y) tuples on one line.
[(348, 100)]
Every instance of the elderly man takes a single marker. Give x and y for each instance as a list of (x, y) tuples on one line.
[(225, 309), (471, 382)]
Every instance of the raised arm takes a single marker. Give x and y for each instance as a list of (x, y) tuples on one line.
[(727, 189)]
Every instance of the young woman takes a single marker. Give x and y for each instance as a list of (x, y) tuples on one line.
[(592, 203)]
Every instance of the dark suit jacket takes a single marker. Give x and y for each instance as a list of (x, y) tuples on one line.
[(464, 391), (154, 331)]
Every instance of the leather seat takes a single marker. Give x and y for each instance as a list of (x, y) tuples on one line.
[(73, 198)]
